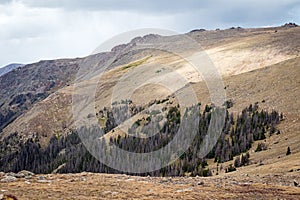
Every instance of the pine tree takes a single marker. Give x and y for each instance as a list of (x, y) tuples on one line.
[(237, 162), (288, 152)]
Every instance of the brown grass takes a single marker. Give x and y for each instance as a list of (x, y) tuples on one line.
[(107, 186)]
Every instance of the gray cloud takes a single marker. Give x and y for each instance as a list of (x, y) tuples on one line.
[(163, 6), (41, 29), (153, 6), (226, 11), (255, 13), (190, 12)]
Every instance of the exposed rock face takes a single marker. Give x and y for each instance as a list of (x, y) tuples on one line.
[(197, 30), (290, 25)]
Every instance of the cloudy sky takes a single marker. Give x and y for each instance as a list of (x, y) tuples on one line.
[(32, 30)]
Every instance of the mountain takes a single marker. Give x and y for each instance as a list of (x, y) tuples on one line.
[(260, 71), (22, 88), (233, 51), (9, 68)]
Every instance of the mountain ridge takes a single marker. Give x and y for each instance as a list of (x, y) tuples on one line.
[(251, 57), (10, 67)]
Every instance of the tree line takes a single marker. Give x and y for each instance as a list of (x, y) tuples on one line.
[(69, 155)]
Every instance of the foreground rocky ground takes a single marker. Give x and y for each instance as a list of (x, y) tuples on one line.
[(25, 185)]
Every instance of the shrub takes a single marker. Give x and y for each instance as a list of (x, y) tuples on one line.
[(230, 168), (261, 147)]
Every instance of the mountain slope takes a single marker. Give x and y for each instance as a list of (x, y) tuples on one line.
[(232, 51), (23, 87), (9, 68), (257, 65)]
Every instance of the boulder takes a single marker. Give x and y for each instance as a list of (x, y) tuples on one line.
[(200, 183), (41, 178), (7, 179), (296, 184), (26, 173), (11, 174)]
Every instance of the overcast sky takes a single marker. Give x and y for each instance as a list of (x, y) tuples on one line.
[(32, 30)]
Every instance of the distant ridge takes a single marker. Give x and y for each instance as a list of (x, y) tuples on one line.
[(9, 68)]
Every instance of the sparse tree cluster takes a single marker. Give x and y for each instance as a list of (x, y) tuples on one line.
[(238, 135), (242, 160), (70, 153)]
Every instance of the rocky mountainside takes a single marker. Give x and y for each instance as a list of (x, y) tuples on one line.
[(25, 86), (9, 68)]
